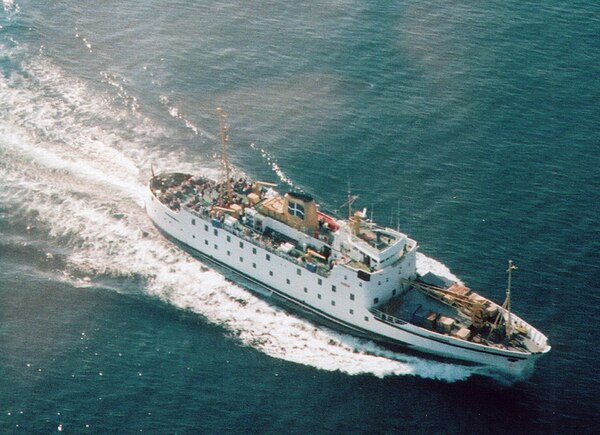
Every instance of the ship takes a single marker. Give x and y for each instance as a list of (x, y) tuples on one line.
[(349, 273)]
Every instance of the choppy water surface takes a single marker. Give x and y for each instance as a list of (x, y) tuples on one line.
[(476, 122)]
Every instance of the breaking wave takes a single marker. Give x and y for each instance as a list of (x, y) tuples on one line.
[(73, 166)]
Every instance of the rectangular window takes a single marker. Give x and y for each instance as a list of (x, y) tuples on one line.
[(319, 296), (270, 272), (366, 319), (254, 265), (299, 272), (333, 289), (320, 281), (241, 259), (228, 252), (376, 300), (216, 247), (268, 257), (205, 227), (193, 221), (296, 209), (229, 238), (206, 242), (333, 303), (351, 296), (305, 290), (287, 281), (254, 250), (394, 292), (241, 244), (351, 311), (216, 232)]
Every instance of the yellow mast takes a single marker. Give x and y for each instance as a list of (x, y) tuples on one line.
[(224, 158)]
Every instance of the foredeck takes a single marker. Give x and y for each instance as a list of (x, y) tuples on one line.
[(420, 309), (414, 303)]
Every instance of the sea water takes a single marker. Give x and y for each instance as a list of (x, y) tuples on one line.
[(474, 128)]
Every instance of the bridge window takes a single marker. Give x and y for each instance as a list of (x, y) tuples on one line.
[(296, 209)]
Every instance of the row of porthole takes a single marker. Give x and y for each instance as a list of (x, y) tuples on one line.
[(268, 258)]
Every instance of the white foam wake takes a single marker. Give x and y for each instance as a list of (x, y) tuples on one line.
[(270, 160), (176, 113), (11, 8), (69, 167)]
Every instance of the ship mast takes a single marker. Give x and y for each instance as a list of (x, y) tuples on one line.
[(224, 158), (506, 304), (351, 199)]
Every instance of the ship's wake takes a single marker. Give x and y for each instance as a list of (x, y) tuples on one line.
[(72, 172)]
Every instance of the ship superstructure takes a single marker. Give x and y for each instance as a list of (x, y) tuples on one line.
[(350, 273)]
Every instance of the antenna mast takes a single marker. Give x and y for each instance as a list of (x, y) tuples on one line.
[(398, 217), (351, 199), (223, 127)]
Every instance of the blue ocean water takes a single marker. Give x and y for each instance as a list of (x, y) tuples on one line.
[(472, 126)]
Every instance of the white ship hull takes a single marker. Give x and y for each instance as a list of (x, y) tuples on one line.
[(340, 297)]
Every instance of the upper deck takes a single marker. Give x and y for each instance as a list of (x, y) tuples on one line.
[(291, 225)]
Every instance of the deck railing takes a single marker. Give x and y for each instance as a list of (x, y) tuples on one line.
[(386, 317)]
